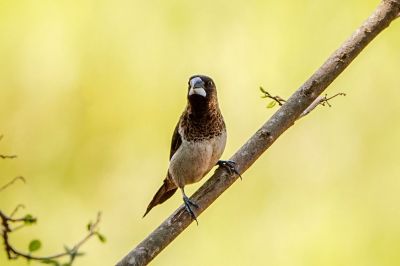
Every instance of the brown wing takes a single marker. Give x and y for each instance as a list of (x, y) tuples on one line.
[(176, 140)]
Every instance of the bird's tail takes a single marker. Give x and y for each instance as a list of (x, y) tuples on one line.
[(167, 189)]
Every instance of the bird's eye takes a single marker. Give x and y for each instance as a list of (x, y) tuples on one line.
[(210, 83)]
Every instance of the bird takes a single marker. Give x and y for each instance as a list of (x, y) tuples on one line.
[(197, 144)]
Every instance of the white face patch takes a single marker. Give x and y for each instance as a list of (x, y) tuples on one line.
[(194, 81), (199, 91)]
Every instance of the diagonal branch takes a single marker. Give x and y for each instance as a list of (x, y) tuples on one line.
[(284, 118)]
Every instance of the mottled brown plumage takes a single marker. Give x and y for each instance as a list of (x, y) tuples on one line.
[(197, 143), (207, 126)]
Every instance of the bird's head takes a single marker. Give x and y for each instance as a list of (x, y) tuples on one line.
[(202, 93)]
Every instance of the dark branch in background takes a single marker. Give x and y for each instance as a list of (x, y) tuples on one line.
[(13, 253), (12, 182), (9, 224), (320, 100), (284, 118), (2, 156)]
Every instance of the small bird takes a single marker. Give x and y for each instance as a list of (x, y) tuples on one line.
[(197, 143)]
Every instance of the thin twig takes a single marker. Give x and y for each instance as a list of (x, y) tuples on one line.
[(13, 253), (326, 98), (277, 98), (2, 156), (12, 182), (320, 100), (19, 206), (284, 118)]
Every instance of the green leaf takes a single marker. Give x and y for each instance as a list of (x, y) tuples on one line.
[(89, 226), (34, 245), (79, 254), (262, 90), (101, 237), (48, 261), (29, 219), (271, 104)]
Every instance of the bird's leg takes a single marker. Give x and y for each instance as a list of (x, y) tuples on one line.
[(189, 203), (230, 166)]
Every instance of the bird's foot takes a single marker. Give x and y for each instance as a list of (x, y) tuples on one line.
[(188, 204), (230, 166)]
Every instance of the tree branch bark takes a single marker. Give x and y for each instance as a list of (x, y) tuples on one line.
[(284, 118)]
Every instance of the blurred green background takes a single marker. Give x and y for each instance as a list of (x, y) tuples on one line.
[(90, 92)]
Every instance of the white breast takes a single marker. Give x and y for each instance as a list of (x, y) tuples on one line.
[(193, 160)]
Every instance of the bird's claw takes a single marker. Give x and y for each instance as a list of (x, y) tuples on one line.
[(189, 203), (230, 166)]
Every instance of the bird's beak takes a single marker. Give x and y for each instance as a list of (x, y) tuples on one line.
[(198, 91), (197, 87)]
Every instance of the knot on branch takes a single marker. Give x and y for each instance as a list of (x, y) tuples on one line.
[(309, 89), (265, 134)]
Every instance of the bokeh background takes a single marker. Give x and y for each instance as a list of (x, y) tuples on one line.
[(90, 92)]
